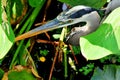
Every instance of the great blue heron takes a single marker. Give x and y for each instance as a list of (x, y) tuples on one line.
[(112, 5), (75, 15)]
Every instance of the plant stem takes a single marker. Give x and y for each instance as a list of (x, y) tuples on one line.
[(64, 30), (65, 61)]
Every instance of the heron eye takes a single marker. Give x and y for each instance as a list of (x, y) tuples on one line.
[(80, 24)]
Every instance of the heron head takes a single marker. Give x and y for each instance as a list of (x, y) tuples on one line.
[(75, 15)]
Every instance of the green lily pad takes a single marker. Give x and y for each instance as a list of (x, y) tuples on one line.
[(6, 32), (18, 9), (105, 40), (6, 40), (92, 3), (21, 75), (34, 3), (109, 72)]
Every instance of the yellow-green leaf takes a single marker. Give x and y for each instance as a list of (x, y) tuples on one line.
[(6, 33), (105, 40)]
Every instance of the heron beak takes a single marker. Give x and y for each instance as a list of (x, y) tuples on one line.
[(51, 25)]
